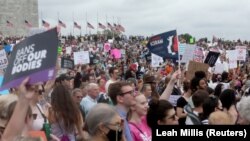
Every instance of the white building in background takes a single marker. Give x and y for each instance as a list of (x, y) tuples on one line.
[(16, 12)]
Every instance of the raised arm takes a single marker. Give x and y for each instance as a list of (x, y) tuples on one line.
[(167, 92), (17, 121)]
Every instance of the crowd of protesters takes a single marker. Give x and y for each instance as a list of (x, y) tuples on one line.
[(118, 99)]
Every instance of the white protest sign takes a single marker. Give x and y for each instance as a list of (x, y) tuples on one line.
[(241, 53), (81, 57), (232, 58), (3, 59), (156, 60), (68, 50), (219, 68), (188, 53), (182, 48)]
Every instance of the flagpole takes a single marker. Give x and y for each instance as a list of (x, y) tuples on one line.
[(113, 30), (73, 24), (97, 24), (41, 16), (106, 26), (179, 60)]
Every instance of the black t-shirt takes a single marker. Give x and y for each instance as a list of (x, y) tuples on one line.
[(181, 102)]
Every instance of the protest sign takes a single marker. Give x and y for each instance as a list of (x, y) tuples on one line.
[(107, 47), (3, 59), (241, 53), (196, 66), (188, 53), (156, 60), (35, 57), (198, 54), (182, 48), (81, 57), (232, 58), (68, 50), (67, 63), (212, 58), (3, 92), (164, 45)]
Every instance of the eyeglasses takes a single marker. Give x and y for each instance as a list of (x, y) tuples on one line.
[(132, 92)]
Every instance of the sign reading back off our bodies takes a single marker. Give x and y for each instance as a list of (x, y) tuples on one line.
[(35, 57)]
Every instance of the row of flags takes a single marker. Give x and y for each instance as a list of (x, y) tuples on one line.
[(114, 27)]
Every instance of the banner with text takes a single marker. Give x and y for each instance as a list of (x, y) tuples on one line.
[(35, 57), (164, 45)]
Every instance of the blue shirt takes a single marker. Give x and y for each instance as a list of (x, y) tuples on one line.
[(88, 103), (123, 115)]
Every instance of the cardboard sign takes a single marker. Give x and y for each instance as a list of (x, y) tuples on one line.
[(35, 57), (81, 57), (196, 66), (212, 58), (67, 63), (3, 59)]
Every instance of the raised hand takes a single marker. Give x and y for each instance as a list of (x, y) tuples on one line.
[(26, 91)]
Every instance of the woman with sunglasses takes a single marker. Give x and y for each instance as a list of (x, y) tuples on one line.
[(137, 119), (103, 123)]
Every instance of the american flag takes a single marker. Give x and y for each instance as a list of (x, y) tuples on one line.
[(9, 24), (121, 28), (101, 26), (116, 28), (77, 26), (60, 23), (110, 26), (90, 26), (28, 24), (45, 24)]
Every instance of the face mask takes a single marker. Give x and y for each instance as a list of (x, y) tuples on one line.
[(114, 135)]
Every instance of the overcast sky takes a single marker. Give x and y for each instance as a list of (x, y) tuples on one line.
[(228, 19)]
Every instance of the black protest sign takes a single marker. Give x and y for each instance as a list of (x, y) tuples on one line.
[(212, 58), (67, 63), (35, 57)]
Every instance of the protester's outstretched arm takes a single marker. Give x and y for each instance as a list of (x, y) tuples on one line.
[(167, 92), (17, 120)]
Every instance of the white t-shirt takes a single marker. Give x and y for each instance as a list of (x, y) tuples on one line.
[(107, 84)]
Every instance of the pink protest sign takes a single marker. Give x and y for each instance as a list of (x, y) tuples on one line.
[(116, 53), (107, 47)]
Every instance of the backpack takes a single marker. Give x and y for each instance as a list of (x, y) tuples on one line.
[(194, 118)]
